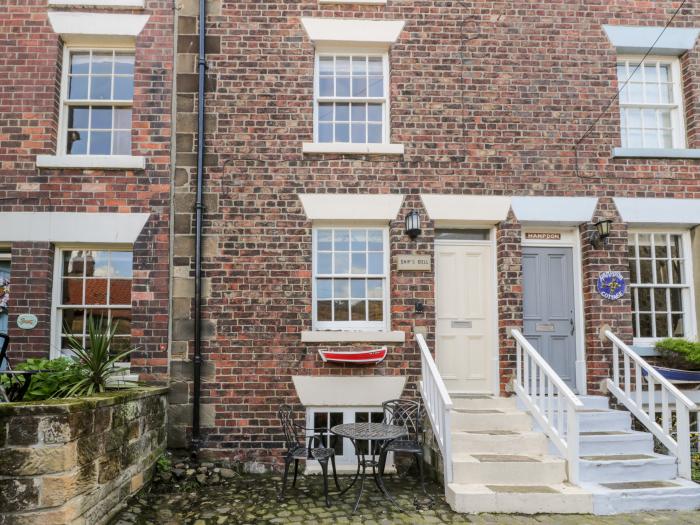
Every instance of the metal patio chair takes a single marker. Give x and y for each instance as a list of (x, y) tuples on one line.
[(13, 388), (408, 414), (298, 449)]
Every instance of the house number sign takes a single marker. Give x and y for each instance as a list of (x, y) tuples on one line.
[(413, 262), (27, 321), (611, 285)]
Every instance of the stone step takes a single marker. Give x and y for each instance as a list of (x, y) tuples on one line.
[(478, 402), (627, 467), (505, 469), (466, 419), (521, 499), (600, 420), (600, 402), (615, 442), (500, 442), (623, 497)]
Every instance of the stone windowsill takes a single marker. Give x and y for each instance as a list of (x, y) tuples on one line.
[(107, 162), (372, 2), (656, 153), (327, 336), (97, 3), (361, 149)]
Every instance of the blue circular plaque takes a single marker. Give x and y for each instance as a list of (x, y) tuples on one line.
[(611, 285)]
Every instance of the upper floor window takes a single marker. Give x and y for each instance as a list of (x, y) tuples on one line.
[(351, 99), (350, 278), (96, 102), (651, 104)]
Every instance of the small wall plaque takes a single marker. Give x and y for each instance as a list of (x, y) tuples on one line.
[(543, 236), (27, 321), (611, 285), (413, 262)]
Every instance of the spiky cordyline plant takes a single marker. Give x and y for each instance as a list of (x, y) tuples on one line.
[(94, 358)]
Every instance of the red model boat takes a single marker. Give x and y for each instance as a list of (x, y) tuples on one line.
[(354, 356)]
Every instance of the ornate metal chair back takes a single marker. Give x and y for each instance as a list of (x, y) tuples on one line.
[(4, 344), (405, 413), (291, 438)]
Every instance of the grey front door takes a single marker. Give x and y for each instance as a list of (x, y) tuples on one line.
[(548, 309)]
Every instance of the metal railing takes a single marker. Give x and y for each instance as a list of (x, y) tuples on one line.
[(550, 401), (633, 392), (438, 405)]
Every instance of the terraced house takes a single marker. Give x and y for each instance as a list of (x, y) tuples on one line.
[(85, 142), (488, 206), (447, 179)]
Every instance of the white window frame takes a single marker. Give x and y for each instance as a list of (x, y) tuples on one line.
[(677, 108), (384, 99), (55, 350), (65, 103), (348, 457), (364, 326), (688, 293)]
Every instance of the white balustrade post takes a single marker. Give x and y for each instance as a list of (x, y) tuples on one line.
[(447, 459), (616, 365), (683, 440), (572, 444)]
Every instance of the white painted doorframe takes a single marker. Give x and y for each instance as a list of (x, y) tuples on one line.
[(491, 243), (570, 238)]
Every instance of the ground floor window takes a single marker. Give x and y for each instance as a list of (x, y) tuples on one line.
[(660, 282), (92, 282), (322, 419)]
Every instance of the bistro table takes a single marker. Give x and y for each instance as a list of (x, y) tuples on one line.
[(379, 433)]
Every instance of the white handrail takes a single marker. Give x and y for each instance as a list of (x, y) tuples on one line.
[(549, 400), (438, 405), (633, 393)]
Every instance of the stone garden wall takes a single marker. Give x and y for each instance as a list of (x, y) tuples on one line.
[(75, 461)]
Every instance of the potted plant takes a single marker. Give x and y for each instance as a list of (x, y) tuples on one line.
[(679, 360)]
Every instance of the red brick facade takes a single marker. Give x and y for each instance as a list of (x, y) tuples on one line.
[(487, 98), (30, 60)]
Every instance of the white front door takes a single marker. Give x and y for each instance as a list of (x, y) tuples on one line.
[(465, 315)]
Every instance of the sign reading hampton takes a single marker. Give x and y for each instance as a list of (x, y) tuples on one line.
[(413, 262), (543, 236), (611, 285)]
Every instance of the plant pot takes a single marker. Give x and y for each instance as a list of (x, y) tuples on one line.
[(675, 375)]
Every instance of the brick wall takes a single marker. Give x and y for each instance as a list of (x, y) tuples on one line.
[(30, 62), (488, 99), (31, 287)]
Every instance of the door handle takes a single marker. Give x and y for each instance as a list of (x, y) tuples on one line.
[(573, 326)]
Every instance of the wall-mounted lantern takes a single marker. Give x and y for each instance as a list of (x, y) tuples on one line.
[(413, 224), (600, 236)]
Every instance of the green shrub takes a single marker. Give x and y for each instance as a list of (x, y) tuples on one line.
[(679, 353), (45, 385), (94, 359)]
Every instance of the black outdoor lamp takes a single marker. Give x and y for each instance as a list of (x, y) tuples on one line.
[(600, 236), (413, 224)]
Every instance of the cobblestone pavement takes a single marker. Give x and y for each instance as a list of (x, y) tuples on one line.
[(251, 499)]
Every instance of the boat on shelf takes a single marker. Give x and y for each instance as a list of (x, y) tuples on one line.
[(354, 356)]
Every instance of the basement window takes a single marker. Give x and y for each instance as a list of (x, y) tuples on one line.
[(322, 419)]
